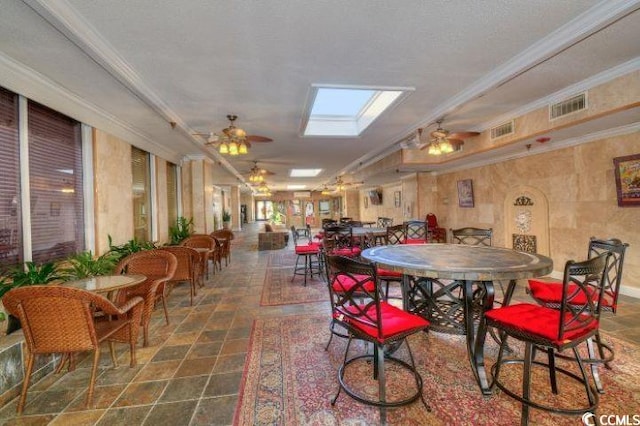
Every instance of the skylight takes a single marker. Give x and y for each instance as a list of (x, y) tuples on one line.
[(347, 111), (304, 172), (296, 186)]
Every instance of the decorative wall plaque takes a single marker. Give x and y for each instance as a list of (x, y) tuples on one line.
[(523, 221), (525, 243)]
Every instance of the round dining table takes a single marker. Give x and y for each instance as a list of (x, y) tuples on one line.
[(107, 284), (473, 268)]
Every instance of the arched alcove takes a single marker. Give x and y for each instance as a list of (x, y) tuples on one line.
[(526, 213)]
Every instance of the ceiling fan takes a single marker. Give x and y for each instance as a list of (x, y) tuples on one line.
[(341, 185), (232, 140), (257, 174), (443, 141)]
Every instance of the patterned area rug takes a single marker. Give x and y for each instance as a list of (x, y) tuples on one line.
[(286, 382), (279, 289)]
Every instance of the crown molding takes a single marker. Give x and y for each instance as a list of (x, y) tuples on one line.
[(25, 81), (582, 86), (66, 19), (556, 145), (584, 25)]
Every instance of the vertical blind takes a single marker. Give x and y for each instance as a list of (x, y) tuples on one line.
[(141, 202), (55, 173), (172, 193), (10, 214)]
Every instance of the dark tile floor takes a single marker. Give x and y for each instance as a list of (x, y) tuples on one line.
[(191, 372)]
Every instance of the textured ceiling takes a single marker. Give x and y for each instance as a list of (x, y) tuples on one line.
[(148, 62)]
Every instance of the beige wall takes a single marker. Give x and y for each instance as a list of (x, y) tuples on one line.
[(579, 185), (161, 216), (113, 196)]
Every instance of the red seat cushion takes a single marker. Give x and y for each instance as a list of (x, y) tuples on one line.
[(388, 273), (394, 321), (537, 321), (347, 251), (414, 241), (344, 283), (550, 292), (308, 249)]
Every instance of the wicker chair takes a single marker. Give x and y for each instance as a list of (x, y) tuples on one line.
[(158, 266), (226, 236), (188, 261), (59, 319), (202, 241), (217, 255)]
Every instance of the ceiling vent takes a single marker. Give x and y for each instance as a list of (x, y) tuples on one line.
[(568, 106), (504, 129)]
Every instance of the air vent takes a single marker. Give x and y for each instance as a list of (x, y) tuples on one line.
[(504, 129), (569, 106)]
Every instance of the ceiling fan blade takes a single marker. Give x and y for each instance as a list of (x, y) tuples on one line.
[(257, 138), (462, 135), (455, 141)]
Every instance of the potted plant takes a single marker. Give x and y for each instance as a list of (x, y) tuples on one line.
[(183, 229), (84, 264), (131, 246), (226, 219), (30, 274)]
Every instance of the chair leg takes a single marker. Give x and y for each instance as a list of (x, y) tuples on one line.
[(595, 372), (164, 304), (25, 383), (112, 351), (593, 399), (526, 383), (601, 351), (92, 380), (552, 370), (382, 392)]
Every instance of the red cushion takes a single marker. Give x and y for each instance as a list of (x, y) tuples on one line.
[(308, 249), (394, 320), (315, 244), (344, 283), (547, 291), (537, 321), (414, 241), (388, 273), (346, 251)]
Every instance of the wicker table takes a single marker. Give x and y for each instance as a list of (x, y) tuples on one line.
[(473, 267)]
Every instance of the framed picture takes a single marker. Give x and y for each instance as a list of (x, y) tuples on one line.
[(297, 211), (627, 170), (397, 198), (324, 207), (465, 193)]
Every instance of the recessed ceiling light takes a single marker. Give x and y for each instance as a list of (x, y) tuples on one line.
[(296, 186), (348, 111), (304, 172)]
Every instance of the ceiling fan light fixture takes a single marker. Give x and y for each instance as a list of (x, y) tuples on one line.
[(446, 147), (233, 148), (223, 148), (242, 148)]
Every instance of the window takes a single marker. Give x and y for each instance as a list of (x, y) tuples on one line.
[(55, 174), (140, 168), (172, 193), (10, 214), (348, 111)]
